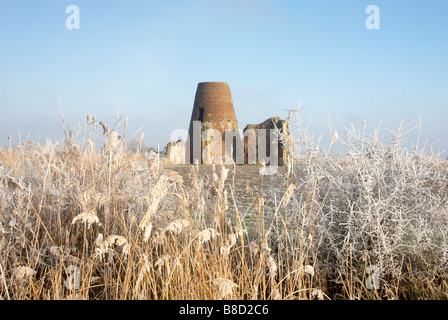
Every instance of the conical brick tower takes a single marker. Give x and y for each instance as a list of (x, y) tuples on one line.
[(213, 108)]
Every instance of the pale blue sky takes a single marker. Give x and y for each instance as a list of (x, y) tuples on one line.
[(272, 53)]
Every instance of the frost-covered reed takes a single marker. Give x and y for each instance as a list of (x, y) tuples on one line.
[(367, 224)]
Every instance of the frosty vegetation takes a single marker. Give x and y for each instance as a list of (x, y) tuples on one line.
[(370, 223)]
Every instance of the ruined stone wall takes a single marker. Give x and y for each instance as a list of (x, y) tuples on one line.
[(269, 150), (175, 152)]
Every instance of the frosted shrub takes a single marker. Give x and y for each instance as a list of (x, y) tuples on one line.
[(376, 204), (125, 227)]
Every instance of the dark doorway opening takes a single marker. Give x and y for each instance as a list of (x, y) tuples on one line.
[(201, 114)]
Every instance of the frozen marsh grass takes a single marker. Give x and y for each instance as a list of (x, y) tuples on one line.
[(85, 221)]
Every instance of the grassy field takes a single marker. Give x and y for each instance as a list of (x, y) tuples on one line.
[(80, 220)]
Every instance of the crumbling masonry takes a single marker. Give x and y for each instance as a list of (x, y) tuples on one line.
[(213, 135)]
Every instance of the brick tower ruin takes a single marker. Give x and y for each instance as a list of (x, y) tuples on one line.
[(213, 135), (212, 109)]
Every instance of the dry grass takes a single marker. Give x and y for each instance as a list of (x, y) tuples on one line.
[(85, 222)]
